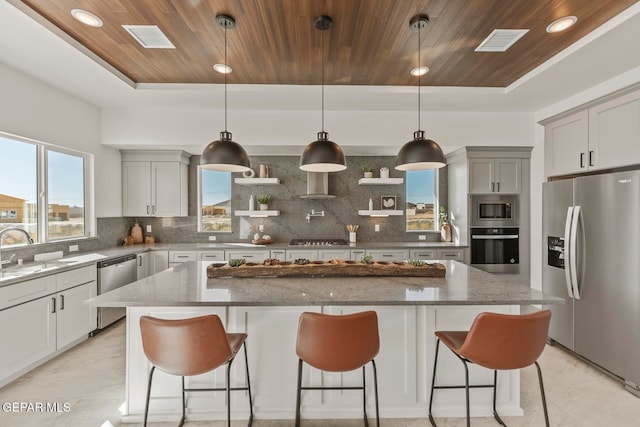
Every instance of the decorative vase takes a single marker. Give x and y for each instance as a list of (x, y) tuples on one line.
[(136, 233), (352, 237), (384, 172), (264, 207), (445, 233), (368, 174)]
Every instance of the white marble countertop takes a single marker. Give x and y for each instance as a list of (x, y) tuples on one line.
[(188, 285)]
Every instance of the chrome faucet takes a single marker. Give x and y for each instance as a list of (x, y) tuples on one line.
[(312, 214), (8, 229)]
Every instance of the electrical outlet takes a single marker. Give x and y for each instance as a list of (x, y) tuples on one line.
[(422, 237), (376, 228), (148, 228), (211, 238), (73, 248)]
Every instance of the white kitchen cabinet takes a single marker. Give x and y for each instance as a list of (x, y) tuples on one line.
[(614, 132), (604, 136), (495, 176), (422, 254), (388, 254), (249, 255), (211, 255), (329, 254), (456, 254), (279, 254), (154, 183), (158, 261), (178, 257), (142, 265), (357, 254), (567, 144), (294, 254), (27, 335), (74, 318)]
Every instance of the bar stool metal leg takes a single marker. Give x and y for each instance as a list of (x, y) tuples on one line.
[(495, 391), (228, 390), (466, 389), (375, 387), (246, 359), (433, 384), (146, 405), (364, 398), (544, 399), (184, 415), (299, 392)]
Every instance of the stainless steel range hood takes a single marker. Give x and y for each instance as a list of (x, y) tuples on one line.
[(317, 186)]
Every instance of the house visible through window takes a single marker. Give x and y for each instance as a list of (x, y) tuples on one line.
[(422, 200), (215, 201), (42, 190)]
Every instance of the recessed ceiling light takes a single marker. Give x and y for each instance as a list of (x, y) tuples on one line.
[(419, 71), (561, 24), (87, 18), (222, 68)]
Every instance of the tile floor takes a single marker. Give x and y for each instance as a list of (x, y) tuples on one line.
[(90, 377)]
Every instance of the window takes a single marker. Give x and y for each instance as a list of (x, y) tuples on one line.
[(42, 190), (422, 200), (215, 201)]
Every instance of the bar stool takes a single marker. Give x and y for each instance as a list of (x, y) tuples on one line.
[(192, 346), (498, 342), (338, 344)]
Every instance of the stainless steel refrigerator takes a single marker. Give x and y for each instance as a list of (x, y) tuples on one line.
[(591, 230)]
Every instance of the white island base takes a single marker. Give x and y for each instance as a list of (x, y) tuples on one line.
[(405, 364)]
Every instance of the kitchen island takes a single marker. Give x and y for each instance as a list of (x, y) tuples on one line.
[(410, 309)]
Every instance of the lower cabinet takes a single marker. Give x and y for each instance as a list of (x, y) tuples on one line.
[(158, 261), (178, 257), (34, 330), (142, 265), (455, 254), (388, 255), (251, 255)]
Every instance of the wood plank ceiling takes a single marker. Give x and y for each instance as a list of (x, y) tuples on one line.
[(275, 42)]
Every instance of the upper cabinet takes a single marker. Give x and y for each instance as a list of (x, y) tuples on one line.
[(604, 136), (495, 176), (154, 183)]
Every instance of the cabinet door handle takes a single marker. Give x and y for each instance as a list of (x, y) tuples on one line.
[(139, 261), (492, 186), (61, 302), (581, 160), (53, 300), (591, 158), (153, 209), (498, 187), (148, 209)]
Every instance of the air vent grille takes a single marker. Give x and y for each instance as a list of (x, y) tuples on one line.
[(500, 40), (149, 36)]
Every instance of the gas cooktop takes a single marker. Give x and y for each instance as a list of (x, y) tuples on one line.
[(317, 242)]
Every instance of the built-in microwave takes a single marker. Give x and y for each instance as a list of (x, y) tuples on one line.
[(494, 211)]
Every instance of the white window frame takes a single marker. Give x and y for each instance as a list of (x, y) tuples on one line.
[(199, 198), (42, 200)]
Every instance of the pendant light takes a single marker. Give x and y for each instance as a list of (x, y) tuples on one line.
[(323, 155), (420, 153), (225, 155)]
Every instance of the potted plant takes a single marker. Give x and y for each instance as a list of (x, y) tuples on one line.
[(445, 228), (264, 202), (368, 171)]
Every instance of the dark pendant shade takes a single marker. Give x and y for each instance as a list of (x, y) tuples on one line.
[(420, 154), (225, 155), (323, 156)]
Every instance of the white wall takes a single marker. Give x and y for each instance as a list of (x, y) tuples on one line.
[(32, 109)]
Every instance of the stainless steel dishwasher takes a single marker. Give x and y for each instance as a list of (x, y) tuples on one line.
[(112, 274)]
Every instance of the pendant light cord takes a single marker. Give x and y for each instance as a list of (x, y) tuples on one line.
[(322, 53), (419, 75), (225, 77)]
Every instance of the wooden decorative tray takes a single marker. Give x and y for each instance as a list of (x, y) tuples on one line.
[(262, 242), (321, 268)]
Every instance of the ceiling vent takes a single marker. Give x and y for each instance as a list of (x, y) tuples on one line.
[(149, 36), (500, 40)]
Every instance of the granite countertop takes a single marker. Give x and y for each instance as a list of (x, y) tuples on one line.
[(136, 249), (188, 285)]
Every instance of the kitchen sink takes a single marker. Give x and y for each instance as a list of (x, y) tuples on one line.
[(14, 272)]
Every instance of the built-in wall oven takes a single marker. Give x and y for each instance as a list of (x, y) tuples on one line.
[(495, 234)]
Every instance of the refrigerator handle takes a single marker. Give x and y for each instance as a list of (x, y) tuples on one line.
[(567, 252), (577, 226), (573, 259)]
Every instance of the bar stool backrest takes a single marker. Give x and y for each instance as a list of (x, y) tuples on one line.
[(185, 347), (338, 343), (505, 341)]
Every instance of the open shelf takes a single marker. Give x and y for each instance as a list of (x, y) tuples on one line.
[(380, 181), (257, 181), (381, 213), (257, 213)]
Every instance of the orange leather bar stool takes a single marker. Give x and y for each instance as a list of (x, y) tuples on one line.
[(338, 344), (188, 347), (498, 342)]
